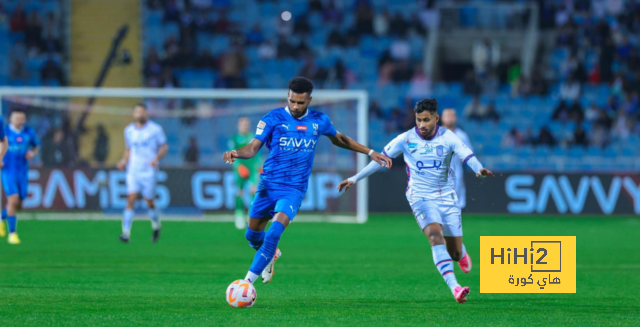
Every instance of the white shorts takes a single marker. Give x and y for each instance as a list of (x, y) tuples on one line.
[(145, 185), (446, 214)]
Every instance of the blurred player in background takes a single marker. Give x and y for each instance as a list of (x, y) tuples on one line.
[(4, 145), (291, 134), (146, 144), (428, 152), (449, 120), (247, 171), (23, 146)]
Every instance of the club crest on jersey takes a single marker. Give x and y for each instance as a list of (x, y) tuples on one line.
[(315, 128), (18, 139), (440, 150), (301, 128)]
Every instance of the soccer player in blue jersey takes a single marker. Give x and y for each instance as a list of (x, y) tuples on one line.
[(23, 146), (4, 144), (291, 135)]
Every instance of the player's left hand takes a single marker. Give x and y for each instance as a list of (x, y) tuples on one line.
[(484, 172), (381, 159), (30, 154), (154, 163), (345, 184)]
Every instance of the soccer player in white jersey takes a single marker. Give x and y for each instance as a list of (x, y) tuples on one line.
[(449, 120), (146, 144), (428, 151)]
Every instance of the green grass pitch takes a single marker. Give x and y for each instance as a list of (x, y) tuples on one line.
[(377, 274)]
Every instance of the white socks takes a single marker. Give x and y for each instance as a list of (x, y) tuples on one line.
[(443, 262), (251, 277), (127, 219), (155, 219)]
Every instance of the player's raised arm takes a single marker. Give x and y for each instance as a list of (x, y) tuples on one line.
[(466, 155), (345, 142), (391, 150)]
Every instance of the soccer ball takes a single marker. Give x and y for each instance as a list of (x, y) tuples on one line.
[(241, 294)]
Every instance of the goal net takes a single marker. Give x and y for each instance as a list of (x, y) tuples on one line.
[(81, 132)]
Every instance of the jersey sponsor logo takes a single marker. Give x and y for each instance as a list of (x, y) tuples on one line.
[(293, 142), (412, 145), (436, 164), (262, 124), (440, 150), (301, 128), (285, 126), (259, 131)]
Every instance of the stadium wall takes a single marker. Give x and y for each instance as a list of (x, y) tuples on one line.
[(525, 193)]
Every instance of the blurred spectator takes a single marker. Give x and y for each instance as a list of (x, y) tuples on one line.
[(51, 26), (402, 72), (511, 139), (33, 30), (222, 25), (315, 5), (395, 122), (152, 66), (192, 153), (169, 79), (538, 84), (603, 121), (398, 26), (525, 88), (101, 148), (630, 105), (374, 111), (607, 51), (568, 111), (255, 35), (18, 20), (18, 51), (51, 71), (420, 85), (55, 150), (302, 27), (267, 51), (285, 49), (284, 28), (470, 85), (18, 71), (364, 20), (335, 38), (331, 14), (50, 44), (592, 113), (231, 64), (475, 110), (381, 23), (621, 128), (570, 89), (580, 137), (416, 25), (545, 138), (486, 55), (492, 114), (206, 60), (400, 49)]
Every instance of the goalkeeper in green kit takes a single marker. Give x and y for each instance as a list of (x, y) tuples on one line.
[(247, 172)]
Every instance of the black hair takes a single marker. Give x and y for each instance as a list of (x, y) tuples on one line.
[(140, 104), (19, 110), (430, 105), (301, 85)]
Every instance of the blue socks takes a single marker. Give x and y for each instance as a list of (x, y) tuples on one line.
[(443, 262), (268, 249), (12, 223), (255, 238), (4, 214)]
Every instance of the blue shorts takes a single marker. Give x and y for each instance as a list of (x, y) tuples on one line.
[(267, 202), (15, 183)]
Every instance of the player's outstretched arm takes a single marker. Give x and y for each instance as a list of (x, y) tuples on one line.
[(345, 142), (369, 170), (246, 152)]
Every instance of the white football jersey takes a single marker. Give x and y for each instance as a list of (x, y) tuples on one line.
[(143, 144), (428, 163), (456, 165)]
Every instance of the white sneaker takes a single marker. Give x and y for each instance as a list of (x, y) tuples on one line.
[(241, 223), (268, 272)]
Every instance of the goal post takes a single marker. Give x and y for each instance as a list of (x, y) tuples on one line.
[(348, 110)]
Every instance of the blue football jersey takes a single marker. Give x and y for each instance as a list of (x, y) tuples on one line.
[(19, 143), (292, 144), (2, 134)]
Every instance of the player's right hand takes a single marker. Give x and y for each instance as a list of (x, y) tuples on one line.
[(121, 165), (345, 184), (229, 157)]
